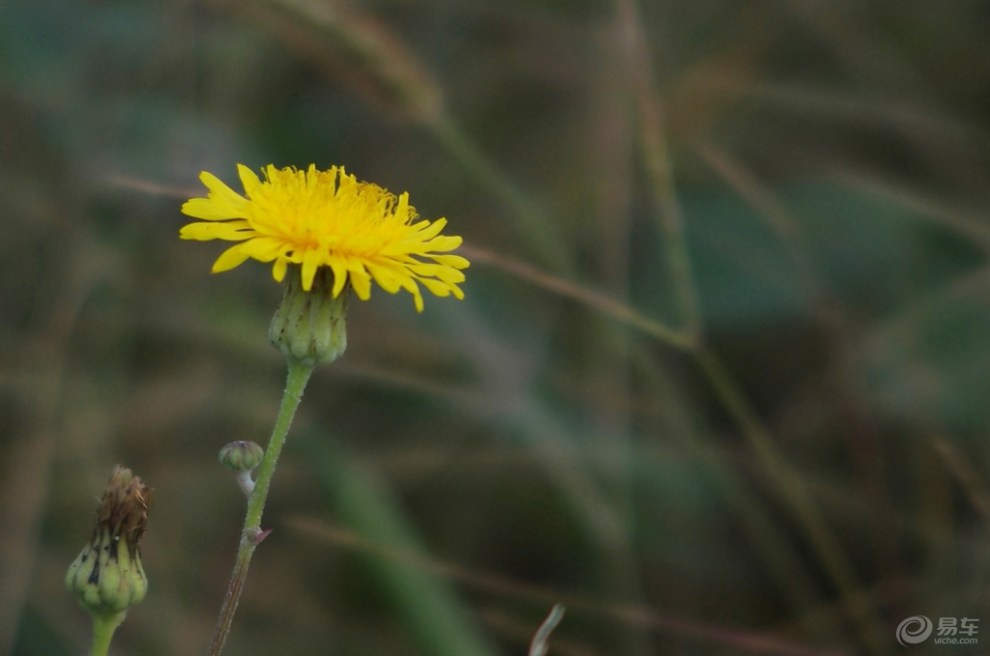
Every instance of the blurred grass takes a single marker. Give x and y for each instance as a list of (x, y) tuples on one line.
[(789, 194)]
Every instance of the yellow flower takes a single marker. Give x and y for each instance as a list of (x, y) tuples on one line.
[(327, 219)]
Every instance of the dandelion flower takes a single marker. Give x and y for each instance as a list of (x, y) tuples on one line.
[(314, 219)]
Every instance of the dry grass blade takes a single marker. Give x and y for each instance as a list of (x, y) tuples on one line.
[(594, 300)]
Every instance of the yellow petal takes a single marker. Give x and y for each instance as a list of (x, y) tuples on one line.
[(238, 230), (432, 230), (209, 209), (264, 249), (249, 179), (223, 197), (436, 287), (443, 243), (360, 281), (418, 300), (386, 279), (455, 261), (311, 258), (339, 275), (447, 274), (230, 258)]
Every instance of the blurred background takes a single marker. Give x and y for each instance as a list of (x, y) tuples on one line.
[(718, 385)]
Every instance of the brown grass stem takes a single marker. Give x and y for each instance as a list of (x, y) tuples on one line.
[(595, 300)]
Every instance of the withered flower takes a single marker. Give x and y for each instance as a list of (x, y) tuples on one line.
[(107, 577)]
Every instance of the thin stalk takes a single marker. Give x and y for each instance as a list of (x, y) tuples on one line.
[(252, 535), (796, 496), (606, 305), (530, 218), (103, 628), (656, 157), (538, 647), (657, 161)]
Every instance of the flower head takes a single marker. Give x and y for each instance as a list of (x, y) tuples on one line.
[(107, 577), (314, 219)]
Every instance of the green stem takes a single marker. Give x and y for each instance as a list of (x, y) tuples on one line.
[(252, 535), (103, 628)]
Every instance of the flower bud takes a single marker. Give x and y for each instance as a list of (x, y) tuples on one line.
[(309, 328), (241, 456), (107, 577)]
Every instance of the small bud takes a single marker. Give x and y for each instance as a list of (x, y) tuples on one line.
[(107, 577), (241, 456), (309, 328)]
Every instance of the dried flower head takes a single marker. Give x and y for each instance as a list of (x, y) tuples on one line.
[(107, 577)]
